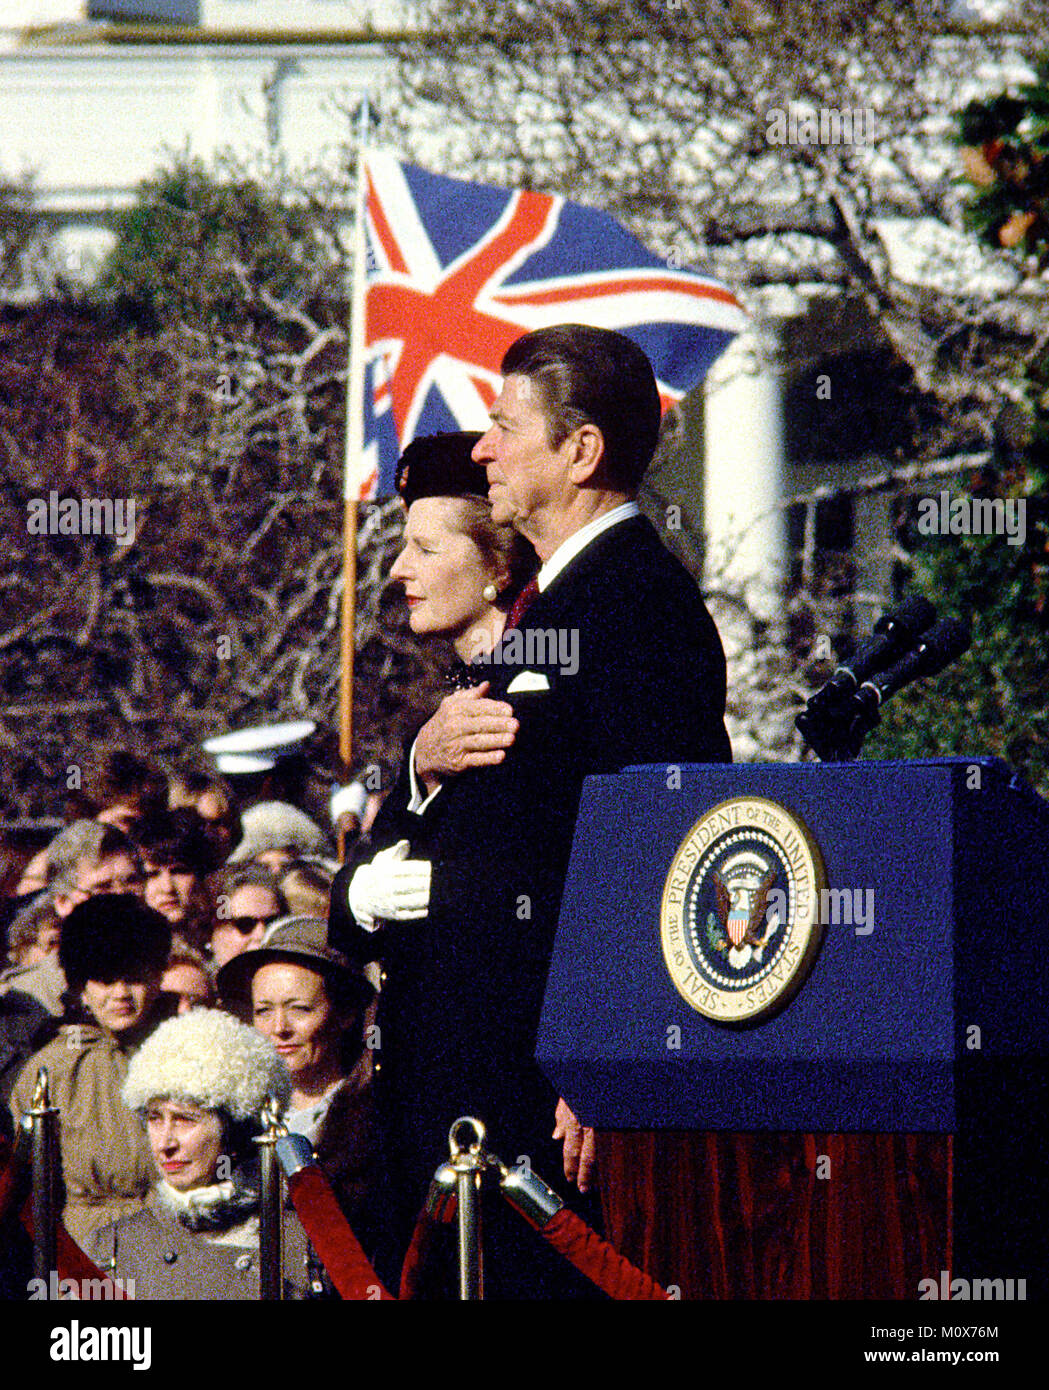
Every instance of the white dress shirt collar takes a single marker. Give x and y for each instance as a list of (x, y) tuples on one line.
[(580, 539)]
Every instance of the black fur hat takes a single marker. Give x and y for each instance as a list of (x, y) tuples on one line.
[(112, 936), (439, 465)]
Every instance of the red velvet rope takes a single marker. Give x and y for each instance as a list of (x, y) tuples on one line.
[(8, 1177), (346, 1262), (416, 1255), (71, 1261), (426, 1227), (597, 1260), (334, 1241)]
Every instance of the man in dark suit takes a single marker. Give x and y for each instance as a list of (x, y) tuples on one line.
[(613, 660)]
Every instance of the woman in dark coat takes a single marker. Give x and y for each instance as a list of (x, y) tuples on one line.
[(459, 993)]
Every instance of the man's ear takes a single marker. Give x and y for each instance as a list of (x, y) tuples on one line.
[(588, 444)]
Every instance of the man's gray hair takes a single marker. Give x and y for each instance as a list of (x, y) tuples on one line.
[(82, 839)]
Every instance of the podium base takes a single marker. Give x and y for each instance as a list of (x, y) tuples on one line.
[(763, 1216)]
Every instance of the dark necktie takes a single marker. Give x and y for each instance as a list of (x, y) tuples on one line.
[(521, 603)]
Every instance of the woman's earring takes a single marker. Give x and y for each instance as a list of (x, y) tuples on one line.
[(489, 593)]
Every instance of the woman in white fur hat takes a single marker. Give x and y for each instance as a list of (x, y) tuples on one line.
[(199, 1083)]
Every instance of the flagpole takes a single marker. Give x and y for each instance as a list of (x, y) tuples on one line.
[(354, 449)]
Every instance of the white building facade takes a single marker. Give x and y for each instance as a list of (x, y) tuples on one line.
[(88, 108)]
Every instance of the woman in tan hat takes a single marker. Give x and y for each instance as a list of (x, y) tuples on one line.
[(309, 1001)]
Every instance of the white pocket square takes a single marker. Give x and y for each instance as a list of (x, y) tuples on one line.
[(527, 680)]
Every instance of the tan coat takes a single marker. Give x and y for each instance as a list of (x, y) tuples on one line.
[(107, 1165), (156, 1258)]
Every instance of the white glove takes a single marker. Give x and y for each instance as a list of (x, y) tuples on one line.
[(392, 887)]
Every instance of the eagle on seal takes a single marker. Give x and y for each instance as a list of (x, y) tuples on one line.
[(742, 932)]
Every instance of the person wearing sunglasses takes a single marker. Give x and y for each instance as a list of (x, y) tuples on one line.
[(247, 900)]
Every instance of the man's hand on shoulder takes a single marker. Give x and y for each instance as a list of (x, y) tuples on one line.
[(466, 730), (580, 1151)]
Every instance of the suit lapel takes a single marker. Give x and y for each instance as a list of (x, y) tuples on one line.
[(559, 605)]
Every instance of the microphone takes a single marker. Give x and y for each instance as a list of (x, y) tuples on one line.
[(937, 649), (827, 714), (838, 732), (894, 632), (947, 641)]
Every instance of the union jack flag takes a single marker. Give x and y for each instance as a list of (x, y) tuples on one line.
[(455, 272)]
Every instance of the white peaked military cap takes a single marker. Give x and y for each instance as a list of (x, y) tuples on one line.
[(258, 749)]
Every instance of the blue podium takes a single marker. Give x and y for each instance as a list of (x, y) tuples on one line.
[(918, 1003)]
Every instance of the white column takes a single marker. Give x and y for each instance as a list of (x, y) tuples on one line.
[(744, 471), (205, 120)]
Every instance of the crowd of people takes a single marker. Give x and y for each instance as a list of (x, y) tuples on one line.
[(117, 933), (178, 956)]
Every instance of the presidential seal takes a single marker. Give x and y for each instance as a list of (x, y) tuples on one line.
[(740, 919)]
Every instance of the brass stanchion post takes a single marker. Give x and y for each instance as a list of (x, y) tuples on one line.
[(271, 1206), (41, 1120), (469, 1161)]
